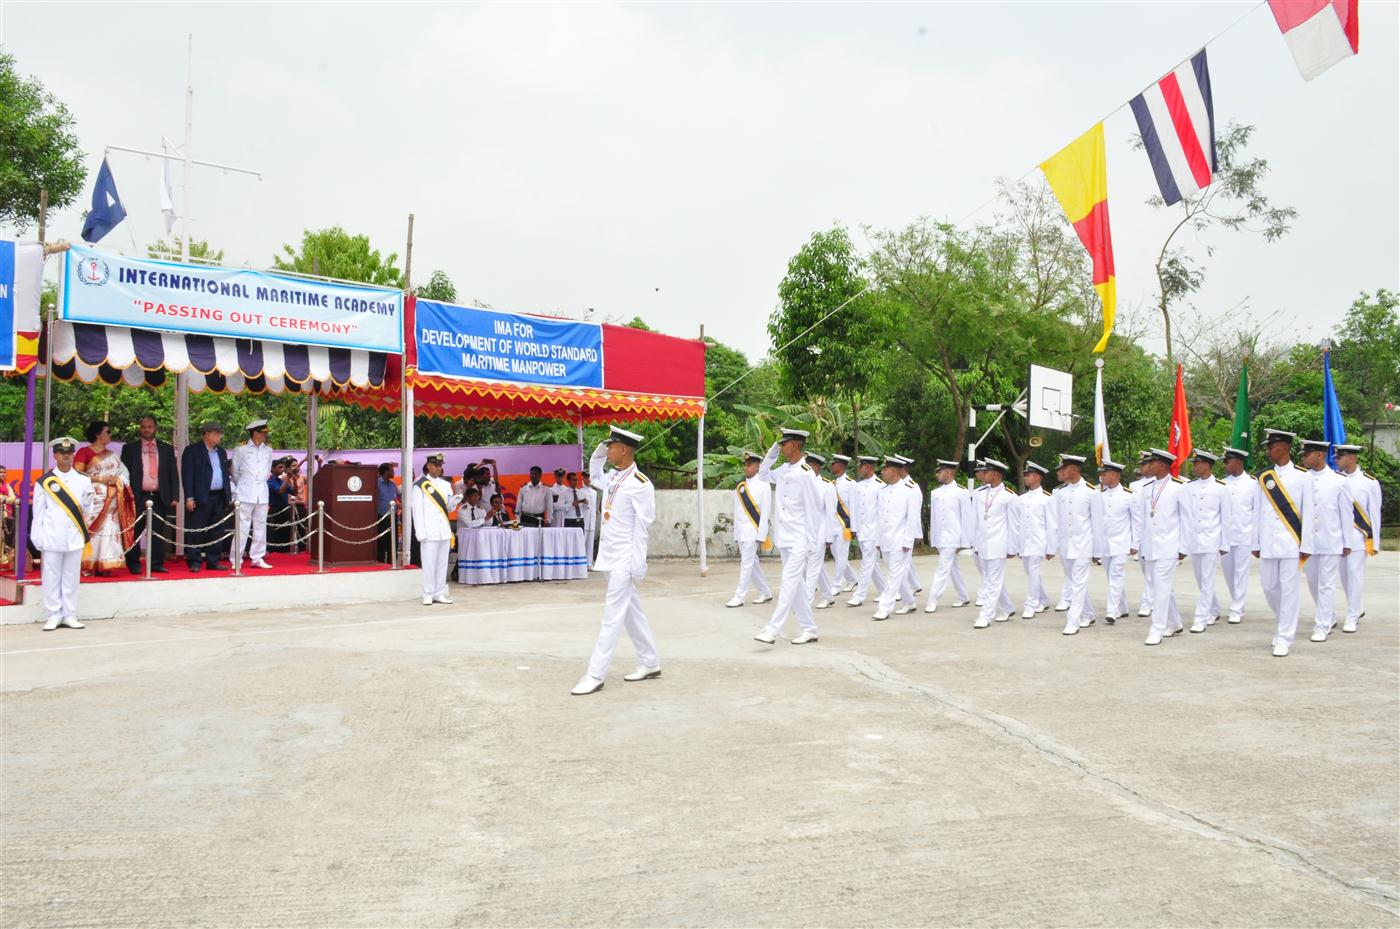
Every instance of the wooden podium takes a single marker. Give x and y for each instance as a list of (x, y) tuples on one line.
[(348, 491)]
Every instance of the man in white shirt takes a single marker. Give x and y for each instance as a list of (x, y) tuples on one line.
[(832, 529), (951, 527), (865, 518), (997, 538), (979, 479), (59, 530), (249, 470), (901, 523), (1145, 601), (1243, 491), (1208, 505), (844, 575), (629, 509), (912, 587), (1079, 514), (534, 500), (1166, 521), (590, 515), (1327, 536), (471, 514), (432, 501), (1365, 534), (753, 505), (1283, 511), (1040, 534), (800, 534), (1120, 520)]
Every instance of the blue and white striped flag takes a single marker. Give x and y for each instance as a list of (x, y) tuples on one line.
[(1177, 121)]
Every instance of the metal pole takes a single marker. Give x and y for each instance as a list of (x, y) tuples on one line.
[(313, 412), (393, 536), (150, 508), (321, 537), (406, 410), (26, 480), (48, 332), (700, 493), (237, 539), (406, 481)]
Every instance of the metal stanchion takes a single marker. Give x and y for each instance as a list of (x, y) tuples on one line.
[(320, 537), (150, 506), (237, 546), (393, 536)]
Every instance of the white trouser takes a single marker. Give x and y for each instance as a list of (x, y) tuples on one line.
[(1161, 574), (897, 563), (1117, 603), (947, 571), (1146, 602), (1081, 608), (434, 554), (795, 590), (622, 607), (1203, 566), (825, 590), (1279, 579), (1353, 575), (911, 579), (995, 600), (251, 517), (841, 556), (1036, 596), (59, 576), (1235, 563), (1322, 572), (869, 569), (750, 572), (981, 576)]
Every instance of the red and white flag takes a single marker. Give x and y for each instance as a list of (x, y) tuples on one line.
[(1176, 120), (1319, 33)]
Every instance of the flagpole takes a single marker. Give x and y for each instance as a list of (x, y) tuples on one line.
[(406, 437)]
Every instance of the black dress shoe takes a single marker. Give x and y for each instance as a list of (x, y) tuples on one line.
[(195, 568), (215, 567), (159, 571)]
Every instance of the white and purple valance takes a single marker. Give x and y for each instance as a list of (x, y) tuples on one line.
[(143, 357)]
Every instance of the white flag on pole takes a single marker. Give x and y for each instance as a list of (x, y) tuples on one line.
[(167, 198), (1101, 451)]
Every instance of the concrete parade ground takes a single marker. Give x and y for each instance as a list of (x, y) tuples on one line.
[(400, 765)]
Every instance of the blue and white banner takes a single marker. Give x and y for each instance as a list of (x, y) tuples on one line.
[(111, 290), (464, 342), (21, 280)]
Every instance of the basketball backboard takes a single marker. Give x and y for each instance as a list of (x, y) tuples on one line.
[(1050, 399)]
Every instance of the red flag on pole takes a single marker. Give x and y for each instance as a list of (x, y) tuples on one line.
[(1179, 440)]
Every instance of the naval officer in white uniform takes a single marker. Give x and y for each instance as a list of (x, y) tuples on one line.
[(59, 531), (1327, 536), (1121, 530), (1079, 513), (629, 509), (1365, 534), (800, 536), (432, 500), (1208, 501), (1237, 559), (845, 575), (901, 524), (865, 520), (753, 508), (1040, 535), (250, 468), (1165, 522), (951, 526), (1283, 510), (996, 538)]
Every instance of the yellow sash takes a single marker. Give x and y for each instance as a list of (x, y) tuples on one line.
[(426, 487), (1358, 516), (58, 492), (751, 510), (1283, 505)]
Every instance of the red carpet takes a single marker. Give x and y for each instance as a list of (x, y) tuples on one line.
[(282, 566)]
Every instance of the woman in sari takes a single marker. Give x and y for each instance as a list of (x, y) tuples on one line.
[(112, 515)]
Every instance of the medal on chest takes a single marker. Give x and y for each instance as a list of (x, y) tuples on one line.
[(612, 492)]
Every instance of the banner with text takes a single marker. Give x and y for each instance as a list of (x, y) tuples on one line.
[(111, 290), (465, 342)]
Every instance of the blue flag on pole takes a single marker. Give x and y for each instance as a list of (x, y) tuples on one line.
[(107, 209), (1332, 428)]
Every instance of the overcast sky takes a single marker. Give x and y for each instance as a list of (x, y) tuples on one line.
[(666, 160)]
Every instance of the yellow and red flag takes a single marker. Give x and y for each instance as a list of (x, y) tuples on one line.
[(1078, 174)]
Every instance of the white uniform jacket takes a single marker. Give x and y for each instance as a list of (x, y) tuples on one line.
[(1326, 533), (1121, 520), (901, 516), (833, 522), (430, 523), (629, 509), (998, 523), (52, 529), (865, 515), (1165, 518), (1040, 531), (951, 519), (760, 494), (1365, 493), (1272, 537), (249, 469), (846, 493), (1208, 500), (1243, 490), (798, 502), (1079, 513)]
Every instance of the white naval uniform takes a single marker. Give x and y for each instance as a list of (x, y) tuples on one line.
[(749, 537), (1080, 516), (590, 520), (1039, 536), (997, 538), (249, 469), (629, 509), (844, 574), (951, 526), (1121, 531), (1166, 522), (900, 525), (57, 536), (865, 518), (1145, 602), (1208, 502), (911, 576), (976, 495), (800, 534), (826, 589), (1279, 549), (1324, 538), (434, 532), (1365, 493), (471, 517), (1243, 490)]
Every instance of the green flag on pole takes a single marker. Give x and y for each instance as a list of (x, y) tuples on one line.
[(1239, 437)]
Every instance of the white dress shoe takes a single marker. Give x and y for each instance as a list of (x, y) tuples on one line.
[(1089, 622), (1153, 638), (643, 673), (766, 637), (762, 600), (1070, 629), (736, 601), (823, 604), (1198, 626), (980, 623), (906, 608), (1061, 606), (586, 685), (1234, 619), (804, 637), (959, 603), (847, 587), (932, 607), (854, 602), (882, 613), (71, 623), (1349, 625), (1001, 619), (52, 624), (1172, 632), (262, 564), (977, 603), (1042, 608), (442, 598), (427, 601), (918, 590), (1319, 635), (1144, 611), (1028, 613), (1280, 650), (1213, 620)]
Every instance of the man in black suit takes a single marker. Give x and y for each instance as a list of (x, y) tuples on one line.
[(204, 471), (151, 464)]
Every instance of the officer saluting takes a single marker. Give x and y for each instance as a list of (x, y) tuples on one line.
[(1283, 507), (629, 509), (801, 534), (431, 500), (60, 533)]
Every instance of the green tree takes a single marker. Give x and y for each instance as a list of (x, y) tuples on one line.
[(201, 252), (336, 253), (439, 288), (38, 148), (1366, 358)]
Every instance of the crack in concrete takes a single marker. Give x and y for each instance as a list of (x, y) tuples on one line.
[(1377, 895)]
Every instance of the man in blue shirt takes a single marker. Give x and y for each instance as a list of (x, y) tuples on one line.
[(386, 498), (204, 472), (279, 507)]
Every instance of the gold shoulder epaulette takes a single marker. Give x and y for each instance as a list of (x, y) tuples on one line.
[(1046, 492), (1126, 488), (1178, 479), (1092, 485), (1220, 482), (641, 477), (1009, 489), (804, 466), (828, 480)]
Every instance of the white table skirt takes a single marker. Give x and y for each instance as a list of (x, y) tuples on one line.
[(500, 556)]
